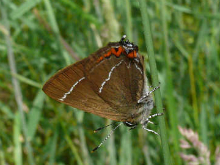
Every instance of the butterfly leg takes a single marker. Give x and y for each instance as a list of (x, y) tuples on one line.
[(151, 86), (151, 122), (135, 126), (149, 130), (144, 98), (148, 121), (131, 125), (150, 117)]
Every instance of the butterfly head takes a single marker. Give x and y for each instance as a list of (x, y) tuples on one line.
[(127, 45)]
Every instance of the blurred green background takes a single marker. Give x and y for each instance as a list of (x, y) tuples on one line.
[(47, 35)]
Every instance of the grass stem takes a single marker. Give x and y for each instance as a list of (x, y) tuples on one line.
[(16, 85), (155, 81)]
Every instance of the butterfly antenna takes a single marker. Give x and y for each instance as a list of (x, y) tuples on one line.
[(112, 131), (103, 127)]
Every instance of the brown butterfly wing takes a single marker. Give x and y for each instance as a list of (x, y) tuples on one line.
[(79, 85), (119, 82)]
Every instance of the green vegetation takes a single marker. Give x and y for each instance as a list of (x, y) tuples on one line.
[(40, 37)]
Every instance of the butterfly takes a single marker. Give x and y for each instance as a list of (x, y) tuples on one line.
[(110, 83)]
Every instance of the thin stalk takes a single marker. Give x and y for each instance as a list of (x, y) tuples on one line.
[(17, 143), (84, 150), (111, 21), (74, 150), (171, 103), (155, 81), (111, 146), (128, 20), (16, 85), (2, 155), (54, 27), (202, 101), (126, 147), (192, 82), (203, 120), (193, 91), (53, 148)]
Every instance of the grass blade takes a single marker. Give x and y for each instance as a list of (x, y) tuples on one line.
[(53, 148), (17, 141), (27, 81), (6, 110), (154, 75), (26, 6), (2, 155), (16, 86), (35, 114), (55, 27), (74, 150), (85, 154), (171, 102)]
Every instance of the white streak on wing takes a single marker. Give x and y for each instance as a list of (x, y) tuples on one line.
[(138, 68), (109, 76), (71, 89)]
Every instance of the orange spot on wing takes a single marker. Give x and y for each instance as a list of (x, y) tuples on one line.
[(130, 55), (104, 56), (100, 59), (108, 54), (116, 53), (119, 51), (113, 51), (135, 54)]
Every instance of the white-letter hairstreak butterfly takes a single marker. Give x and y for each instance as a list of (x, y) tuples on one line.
[(110, 83)]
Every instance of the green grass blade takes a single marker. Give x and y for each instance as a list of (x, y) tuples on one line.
[(154, 75), (179, 7), (51, 17), (171, 102), (17, 140), (16, 84), (6, 110), (85, 154), (204, 127), (35, 114), (27, 80), (192, 82), (23, 8), (23, 79), (78, 10), (54, 27), (2, 154), (126, 147), (53, 146), (111, 146), (128, 20), (74, 150)]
